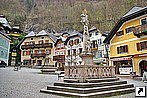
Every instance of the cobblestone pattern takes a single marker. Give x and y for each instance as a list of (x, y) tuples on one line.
[(26, 83)]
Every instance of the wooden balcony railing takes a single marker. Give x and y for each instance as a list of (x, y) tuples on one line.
[(59, 58), (27, 46), (140, 30), (45, 45), (85, 71), (38, 55)]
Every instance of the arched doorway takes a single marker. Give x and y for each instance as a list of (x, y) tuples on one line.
[(142, 67)]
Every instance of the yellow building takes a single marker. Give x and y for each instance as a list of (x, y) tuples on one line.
[(37, 49), (128, 42)]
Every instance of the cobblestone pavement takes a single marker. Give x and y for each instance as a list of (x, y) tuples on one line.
[(26, 83)]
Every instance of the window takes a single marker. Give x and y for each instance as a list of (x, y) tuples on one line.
[(68, 52), (76, 41), (71, 42), (80, 50), (47, 51), (31, 51), (2, 53), (32, 43), (15, 32), (99, 54), (122, 49), (25, 53), (61, 53), (120, 33), (58, 45), (96, 33), (27, 43), (99, 41), (74, 51), (41, 42), (143, 21), (90, 35), (42, 37), (61, 45), (31, 38), (57, 53), (141, 45), (129, 30), (6, 43)]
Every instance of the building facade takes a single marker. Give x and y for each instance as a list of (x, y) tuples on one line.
[(128, 42), (73, 50), (4, 48), (37, 49), (60, 53), (96, 38)]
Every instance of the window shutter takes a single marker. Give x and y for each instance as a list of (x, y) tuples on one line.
[(46, 41), (39, 42), (122, 32), (33, 42), (72, 42), (116, 33), (126, 48), (118, 51), (126, 30), (138, 46), (35, 51), (77, 40), (29, 52), (42, 51), (49, 51), (24, 43), (23, 53)]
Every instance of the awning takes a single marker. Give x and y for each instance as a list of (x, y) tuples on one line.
[(119, 59)]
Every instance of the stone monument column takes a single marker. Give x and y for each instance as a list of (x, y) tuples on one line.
[(87, 57)]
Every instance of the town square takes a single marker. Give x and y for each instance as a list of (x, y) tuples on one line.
[(55, 49)]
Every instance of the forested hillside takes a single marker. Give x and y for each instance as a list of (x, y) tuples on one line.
[(59, 14)]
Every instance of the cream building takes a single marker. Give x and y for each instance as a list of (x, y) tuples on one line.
[(37, 49)]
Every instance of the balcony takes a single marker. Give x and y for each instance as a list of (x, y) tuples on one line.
[(140, 30), (38, 55), (45, 45), (27, 46), (59, 58)]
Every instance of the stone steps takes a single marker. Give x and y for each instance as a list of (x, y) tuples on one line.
[(96, 94), (89, 90), (89, 85)]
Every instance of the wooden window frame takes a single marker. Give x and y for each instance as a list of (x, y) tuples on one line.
[(139, 47), (117, 33), (122, 49)]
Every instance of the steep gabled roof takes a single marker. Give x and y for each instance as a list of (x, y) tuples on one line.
[(4, 34), (99, 30), (41, 33), (131, 15)]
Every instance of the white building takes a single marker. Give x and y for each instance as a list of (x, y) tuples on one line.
[(97, 37), (73, 50)]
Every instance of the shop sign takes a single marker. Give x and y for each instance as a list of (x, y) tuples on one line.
[(118, 59), (141, 55), (126, 70)]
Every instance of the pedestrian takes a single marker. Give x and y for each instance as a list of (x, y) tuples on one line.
[(145, 75)]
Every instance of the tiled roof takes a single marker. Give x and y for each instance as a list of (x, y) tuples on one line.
[(133, 10)]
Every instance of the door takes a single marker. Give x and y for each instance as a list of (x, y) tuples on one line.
[(143, 67)]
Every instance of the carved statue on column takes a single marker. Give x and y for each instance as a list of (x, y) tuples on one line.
[(86, 38), (87, 57)]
